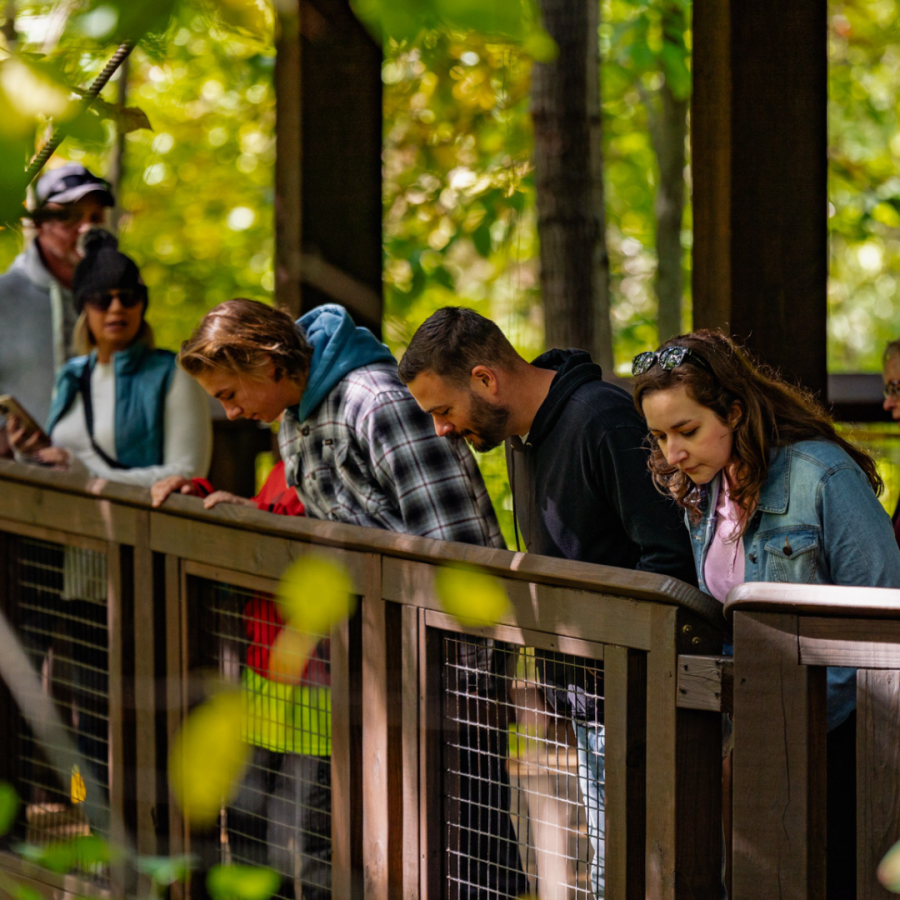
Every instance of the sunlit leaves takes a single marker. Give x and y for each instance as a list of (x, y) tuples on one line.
[(405, 20), (889, 869), (315, 595), (241, 883), (164, 870), (208, 756), (82, 852), (9, 806), (474, 598)]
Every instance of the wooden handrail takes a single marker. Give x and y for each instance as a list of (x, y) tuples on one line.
[(503, 563), (814, 599)]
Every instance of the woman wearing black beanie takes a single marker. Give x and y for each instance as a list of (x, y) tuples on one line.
[(123, 411)]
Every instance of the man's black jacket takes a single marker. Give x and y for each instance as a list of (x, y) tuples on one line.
[(582, 489)]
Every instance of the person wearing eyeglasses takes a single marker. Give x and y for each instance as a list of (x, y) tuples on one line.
[(891, 374), (124, 410), (771, 492), (37, 309)]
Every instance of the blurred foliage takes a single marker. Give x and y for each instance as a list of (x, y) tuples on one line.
[(9, 806), (889, 869), (208, 756), (864, 186), (197, 191), (474, 598), (241, 883)]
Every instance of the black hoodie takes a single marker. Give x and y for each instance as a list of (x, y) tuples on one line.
[(581, 486), (582, 490)]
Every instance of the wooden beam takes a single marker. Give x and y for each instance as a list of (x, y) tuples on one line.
[(705, 682), (779, 763), (877, 785), (759, 169), (328, 170)]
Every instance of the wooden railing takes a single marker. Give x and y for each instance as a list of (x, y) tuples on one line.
[(784, 637), (663, 760)]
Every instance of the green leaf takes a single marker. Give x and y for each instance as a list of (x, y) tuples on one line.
[(165, 870), (23, 892), (476, 599), (481, 238), (316, 595), (9, 806), (242, 883), (208, 756)]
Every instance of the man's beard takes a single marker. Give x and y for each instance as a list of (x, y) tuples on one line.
[(489, 425)]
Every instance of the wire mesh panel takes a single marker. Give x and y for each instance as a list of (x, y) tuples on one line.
[(523, 772), (281, 816), (60, 611)]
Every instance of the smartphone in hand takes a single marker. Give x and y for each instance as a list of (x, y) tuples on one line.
[(35, 437)]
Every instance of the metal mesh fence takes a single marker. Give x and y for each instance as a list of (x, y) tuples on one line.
[(281, 816), (523, 772), (61, 615)]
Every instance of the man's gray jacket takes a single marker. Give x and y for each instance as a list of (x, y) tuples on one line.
[(37, 317)]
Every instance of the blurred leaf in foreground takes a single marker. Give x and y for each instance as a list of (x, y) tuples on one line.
[(288, 656), (889, 869), (241, 883), (208, 756), (64, 856), (9, 806), (165, 870), (475, 599), (316, 595)]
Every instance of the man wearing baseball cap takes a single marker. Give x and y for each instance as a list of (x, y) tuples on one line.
[(37, 313)]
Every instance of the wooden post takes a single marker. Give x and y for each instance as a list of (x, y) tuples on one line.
[(684, 812), (759, 168), (877, 765), (328, 168), (779, 763)]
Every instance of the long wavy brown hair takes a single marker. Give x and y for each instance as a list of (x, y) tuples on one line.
[(773, 413)]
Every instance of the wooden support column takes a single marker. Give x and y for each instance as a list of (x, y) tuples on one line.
[(779, 763), (759, 169), (328, 169), (877, 764)]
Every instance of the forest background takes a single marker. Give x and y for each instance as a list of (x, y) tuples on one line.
[(197, 194)]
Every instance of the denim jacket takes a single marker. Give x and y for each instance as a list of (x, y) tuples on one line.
[(818, 521)]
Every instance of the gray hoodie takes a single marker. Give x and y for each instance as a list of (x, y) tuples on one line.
[(37, 317)]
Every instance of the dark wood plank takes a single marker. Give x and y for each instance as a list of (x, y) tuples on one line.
[(341, 808), (431, 763), (409, 736), (865, 643), (778, 763), (145, 688), (524, 637), (376, 824), (877, 768), (762, 192)]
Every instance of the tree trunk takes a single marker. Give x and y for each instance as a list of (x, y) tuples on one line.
[(117, 164), (669, 134), (568, 159), (9, 24)]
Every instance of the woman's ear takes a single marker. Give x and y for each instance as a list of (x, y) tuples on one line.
[(735, 414)]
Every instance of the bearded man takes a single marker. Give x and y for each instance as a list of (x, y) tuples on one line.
[(576, 454)]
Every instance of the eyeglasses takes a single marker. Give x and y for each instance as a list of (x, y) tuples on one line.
[(892, 389), (102, 300), (668, 359)]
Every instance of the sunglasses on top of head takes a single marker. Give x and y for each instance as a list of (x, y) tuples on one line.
[(102, 300), (667, 359)]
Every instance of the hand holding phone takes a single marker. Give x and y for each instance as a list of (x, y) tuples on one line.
[(25, 435)]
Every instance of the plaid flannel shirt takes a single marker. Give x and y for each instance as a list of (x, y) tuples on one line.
[(369, 456)]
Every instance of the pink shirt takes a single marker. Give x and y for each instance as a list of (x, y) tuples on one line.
[(724, 566)]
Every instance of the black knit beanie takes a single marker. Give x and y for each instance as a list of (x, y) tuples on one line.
[(104, 269)]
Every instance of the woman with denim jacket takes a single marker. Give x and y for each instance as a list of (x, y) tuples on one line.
[(771, 492)]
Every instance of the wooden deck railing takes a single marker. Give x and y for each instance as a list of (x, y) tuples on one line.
[(663, 761), (784, 637)]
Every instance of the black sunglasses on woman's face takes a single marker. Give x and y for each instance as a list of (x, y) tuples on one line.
[(102, 300)]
